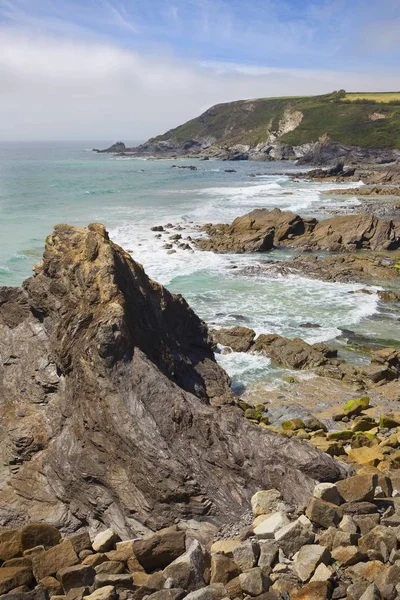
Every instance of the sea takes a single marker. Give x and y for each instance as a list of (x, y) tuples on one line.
[(42, 184)]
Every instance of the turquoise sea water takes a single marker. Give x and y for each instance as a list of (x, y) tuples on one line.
[(48, 183)]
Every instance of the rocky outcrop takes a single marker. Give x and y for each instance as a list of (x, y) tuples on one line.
[(113, 409), (328, 152), (115, 148), (262, 230)]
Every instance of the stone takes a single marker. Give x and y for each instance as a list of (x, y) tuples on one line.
[(39, 534), (307, 560), (324, 514), (76, 576), (348, 524), (367, 570), (268, 553), (105, 540), (186, 571), (246, 555), (81, 541), (376, 536), (253, 582), (223, 569), (316, 590), (366, 522), (328, 492), (10, 544), (54, 559), (322, 573), (111, 566), (225, 547), (167, 594), (160, 549), (23, 593), (21, 561), (93, 560), (371, 593), (346, 556), (12, 577), (358, 508), (265, 502), (51, 585), (293, 536), (293, 424), (366, 456), (215, 591), (359, 488), (105, 593), (117, 580), (270, 525)]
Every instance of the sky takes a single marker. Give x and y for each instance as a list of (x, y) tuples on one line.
[(131, 69)]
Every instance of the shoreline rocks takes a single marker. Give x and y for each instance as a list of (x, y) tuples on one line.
[(262, 230)]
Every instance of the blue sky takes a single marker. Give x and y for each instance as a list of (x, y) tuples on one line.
[(178, 57)]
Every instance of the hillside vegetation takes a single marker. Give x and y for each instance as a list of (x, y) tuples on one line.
[(367, 120)]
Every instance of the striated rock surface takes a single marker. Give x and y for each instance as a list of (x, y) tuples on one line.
[(113, 409), (262, 230)]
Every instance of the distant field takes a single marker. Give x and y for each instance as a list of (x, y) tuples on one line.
[(375, 96)]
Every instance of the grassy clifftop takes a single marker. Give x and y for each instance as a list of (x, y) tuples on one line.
[(367, 120)]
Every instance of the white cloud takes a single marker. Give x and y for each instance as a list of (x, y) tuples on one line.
[(62, 89)]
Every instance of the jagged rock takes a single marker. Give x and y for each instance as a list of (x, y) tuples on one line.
[(36, 594), (265, 502), (359, 488), (371, 593), (316, 590), (225, 547), (118, 580), (111, 566), (51, 561), (94, 560), (223, 569), (322, 573), (307, 560), (215, 591), (376, 536), (263, 229), (293, 536), (346, 556), (52, 586), (81, 541), (240, 339), (268, 553), (108, 392), (39, 534), (186, 572)]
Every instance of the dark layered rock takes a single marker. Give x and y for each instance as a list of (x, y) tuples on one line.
[(113, 149), (262, 230), (113, 409)]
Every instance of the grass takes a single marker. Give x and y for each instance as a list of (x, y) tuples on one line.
[(343, 116), (383, 97)]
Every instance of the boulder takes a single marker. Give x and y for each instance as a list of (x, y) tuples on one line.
[(105, 540), (52, 586), (246, 555), (215, 591), (225, 547), (270, 525), (111, 566), (378, 535), (328, 492), (123, 580), (186, 571), (51, 561), (307, 560), (265, 502), (160, 549), (39, 534), (12, 577), (253, 582), (371, 593), (293, 536), (346, 556), (323, 513), (81, 541), (316, 590), (293, 353), (10, 544), (223, 569), (268, 553), (105, 593), (359, 488), (76, 576)]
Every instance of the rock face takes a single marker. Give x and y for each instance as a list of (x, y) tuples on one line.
[(262, 230), (113, 409)]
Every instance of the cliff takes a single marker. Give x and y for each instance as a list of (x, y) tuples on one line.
[(113, 409)]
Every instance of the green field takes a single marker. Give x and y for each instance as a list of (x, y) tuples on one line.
[(370, 120), (374, 96)]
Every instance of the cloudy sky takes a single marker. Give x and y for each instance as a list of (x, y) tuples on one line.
[(130, 69)]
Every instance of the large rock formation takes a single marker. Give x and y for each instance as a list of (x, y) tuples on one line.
[(263, 229), (113, 409)]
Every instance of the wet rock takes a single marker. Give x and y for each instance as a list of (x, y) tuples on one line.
[(240, 339)]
